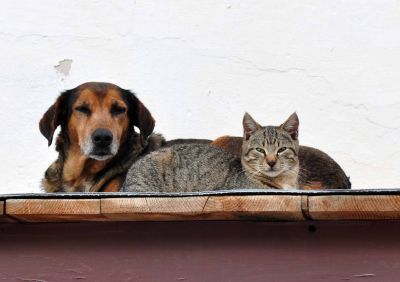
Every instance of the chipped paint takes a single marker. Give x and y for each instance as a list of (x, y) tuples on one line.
[(64, 67)]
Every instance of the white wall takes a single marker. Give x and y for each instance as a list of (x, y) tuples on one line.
[(199, 65)]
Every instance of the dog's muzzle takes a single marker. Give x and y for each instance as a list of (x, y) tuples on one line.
[(101, 145)]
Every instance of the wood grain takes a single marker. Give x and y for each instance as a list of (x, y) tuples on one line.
[(54, 210), (221, 207), (204, 208), (354, 207), (267, 207), (3, 217), (153, 208)]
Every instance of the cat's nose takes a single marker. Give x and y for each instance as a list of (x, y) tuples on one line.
[(271, 160)]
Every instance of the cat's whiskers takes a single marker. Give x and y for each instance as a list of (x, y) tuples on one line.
[(244, 170), (255, 171)]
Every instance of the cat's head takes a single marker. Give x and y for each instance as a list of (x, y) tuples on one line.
[(269, 151)]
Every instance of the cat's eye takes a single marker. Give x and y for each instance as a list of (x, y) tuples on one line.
[(83, 109), (281, 150), (117, 110), (260, 150)]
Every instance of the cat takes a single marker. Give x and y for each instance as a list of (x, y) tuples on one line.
[(269, 160)]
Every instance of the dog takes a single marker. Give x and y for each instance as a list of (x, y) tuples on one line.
[(97, 143)]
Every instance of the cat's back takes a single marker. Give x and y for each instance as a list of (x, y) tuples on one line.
[(319, 169), (183, 168), (200, 156)]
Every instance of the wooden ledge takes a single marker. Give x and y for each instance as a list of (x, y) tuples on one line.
[(354, 207), (3, 217), (264, 205), (43, 210), (268, 207)]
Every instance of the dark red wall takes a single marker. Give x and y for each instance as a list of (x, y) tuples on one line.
[(201, 251)]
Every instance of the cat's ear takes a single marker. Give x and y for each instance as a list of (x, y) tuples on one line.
[(249, 126), (291, 125)]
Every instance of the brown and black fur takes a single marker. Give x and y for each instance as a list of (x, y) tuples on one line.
[(73, 171), (319, 171)]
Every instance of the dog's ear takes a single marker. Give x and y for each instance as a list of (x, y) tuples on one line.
[(53, 117), (139, 114)]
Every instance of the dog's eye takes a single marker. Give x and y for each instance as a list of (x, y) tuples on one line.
[(260, 150), (281, 150), (116, 110), (83, 109)]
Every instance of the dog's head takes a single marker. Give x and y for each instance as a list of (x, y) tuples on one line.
[(97, 117)]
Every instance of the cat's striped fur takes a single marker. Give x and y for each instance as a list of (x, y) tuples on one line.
[(200, 167)]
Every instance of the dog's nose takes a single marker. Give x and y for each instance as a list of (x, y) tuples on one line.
[(102, 137)]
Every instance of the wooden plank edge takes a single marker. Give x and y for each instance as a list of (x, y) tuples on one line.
[(153, 208), (219, 207), (270, 207), (3, 217), (354, 207), (51, 210)]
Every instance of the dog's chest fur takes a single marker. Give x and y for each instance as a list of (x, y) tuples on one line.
[(78, 171)]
